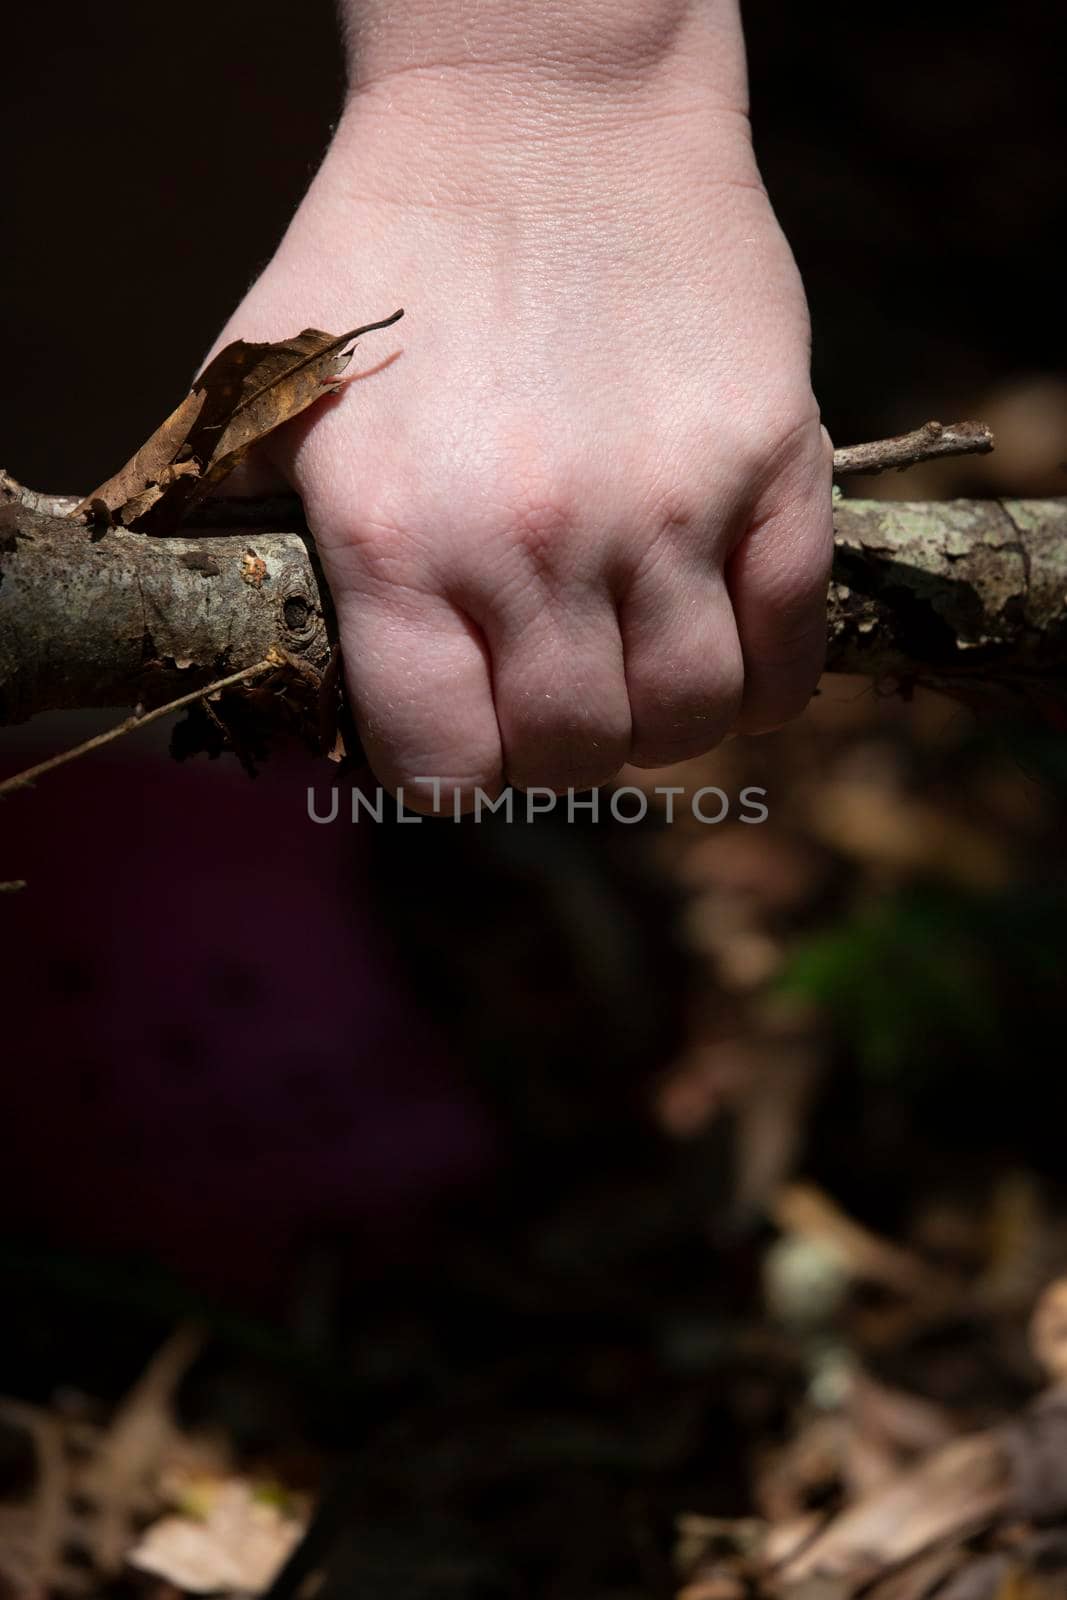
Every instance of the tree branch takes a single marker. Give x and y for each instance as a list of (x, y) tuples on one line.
[(954, 593), (933, 439), (958, 594), (125, 619)]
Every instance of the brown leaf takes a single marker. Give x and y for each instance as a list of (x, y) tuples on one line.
[(959, 1489), (131, 492), (918, 1578), (246, 392)]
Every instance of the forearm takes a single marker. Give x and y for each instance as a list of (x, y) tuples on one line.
[(524, 45)]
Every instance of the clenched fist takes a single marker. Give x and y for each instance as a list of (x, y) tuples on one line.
[(574, 510)]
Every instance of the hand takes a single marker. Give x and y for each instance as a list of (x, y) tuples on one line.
[(580, 515)]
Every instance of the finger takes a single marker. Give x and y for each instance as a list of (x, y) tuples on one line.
[(421, 691), (561, 700), (683, 664), (778, 580)]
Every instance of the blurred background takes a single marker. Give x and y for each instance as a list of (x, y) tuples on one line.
[(491, 1158)]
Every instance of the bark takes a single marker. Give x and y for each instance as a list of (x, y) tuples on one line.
[(124, 619), (951, 592), (963, 595)]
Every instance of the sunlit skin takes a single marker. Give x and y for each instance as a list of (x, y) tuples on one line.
[(574, 509)]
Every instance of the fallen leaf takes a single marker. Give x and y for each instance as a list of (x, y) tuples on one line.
[(958, 1490), (918, 1578), (980, 1579), (243, 394), (234, 1545), (879, 824)]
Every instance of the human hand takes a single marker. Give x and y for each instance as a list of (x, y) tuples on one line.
[(583, 517)]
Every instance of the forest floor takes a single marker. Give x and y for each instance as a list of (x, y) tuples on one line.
[(763, 1295)]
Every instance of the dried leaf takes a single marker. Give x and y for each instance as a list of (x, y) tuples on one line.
[(142, 481), (246, 392), (235, 1545), (959, 1489), (980, 1579), (918, 1578)]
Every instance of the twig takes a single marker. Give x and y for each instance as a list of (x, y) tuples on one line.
[(21, 780), (49, 505), (933, 439)]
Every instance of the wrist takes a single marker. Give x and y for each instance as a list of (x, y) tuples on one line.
[(487, 120), (534, 47)]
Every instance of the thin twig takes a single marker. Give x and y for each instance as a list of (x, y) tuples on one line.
[(21, 780), (933, 439), (49, 505)]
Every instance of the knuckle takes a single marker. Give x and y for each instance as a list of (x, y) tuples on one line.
[(784, 435), (541, 525), (535, 500), (679, 523), (375, 548)]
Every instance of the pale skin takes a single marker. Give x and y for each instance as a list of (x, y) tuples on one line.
[(575, 510)]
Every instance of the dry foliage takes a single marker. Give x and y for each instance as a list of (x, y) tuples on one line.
[(246, 392)]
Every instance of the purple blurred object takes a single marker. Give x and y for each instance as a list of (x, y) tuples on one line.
[(210, 1051)]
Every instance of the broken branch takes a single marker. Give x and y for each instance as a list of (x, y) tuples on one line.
[(933, 439)]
